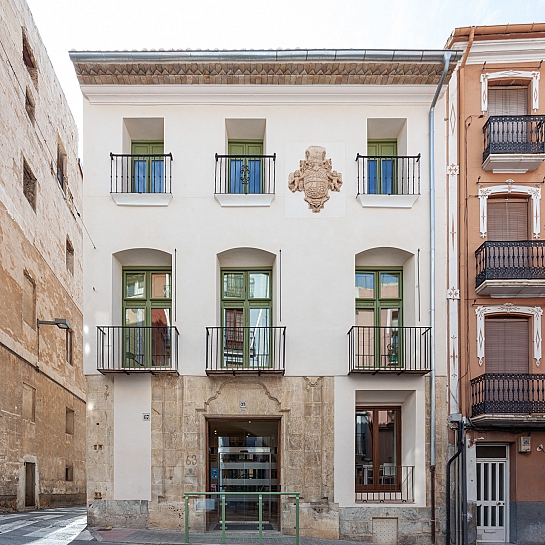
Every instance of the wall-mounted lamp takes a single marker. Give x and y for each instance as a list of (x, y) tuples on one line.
[(61, 323)]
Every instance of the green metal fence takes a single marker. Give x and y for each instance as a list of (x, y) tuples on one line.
[(260, 510)]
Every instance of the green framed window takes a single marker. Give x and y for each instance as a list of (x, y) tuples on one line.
[(147, 303), (246, 317), (245, 166), (379, 305), (381, 173), (148, 166)]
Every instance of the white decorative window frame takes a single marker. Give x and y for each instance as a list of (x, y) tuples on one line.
[(534, 192), (510, 74), (509, 308)]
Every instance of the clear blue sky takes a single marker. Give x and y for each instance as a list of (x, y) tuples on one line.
[(255, 24)]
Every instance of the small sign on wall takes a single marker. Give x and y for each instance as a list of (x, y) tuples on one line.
[(242, 404), (146, 417)]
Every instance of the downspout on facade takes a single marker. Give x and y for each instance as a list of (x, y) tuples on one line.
[(446, 62)]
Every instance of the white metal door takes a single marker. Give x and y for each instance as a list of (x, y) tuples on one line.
[(492, 499)]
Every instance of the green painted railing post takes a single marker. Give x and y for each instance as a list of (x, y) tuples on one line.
[(186, 514), (260, 519), (223, 519), (297, 519)]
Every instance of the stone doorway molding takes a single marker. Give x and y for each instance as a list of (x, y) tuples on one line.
[(509, 308), (533, 192), (510, 74)]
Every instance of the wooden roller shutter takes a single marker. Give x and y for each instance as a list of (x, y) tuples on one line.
[(507, 219), (508, 100), (507, 342)]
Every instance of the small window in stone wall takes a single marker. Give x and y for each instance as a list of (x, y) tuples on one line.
[(29, 60), (29, 185), (69, 473), (69, 421), (29, 300), (61, 166), (69, 256), (30, 106), (69, 352), (28, 411)]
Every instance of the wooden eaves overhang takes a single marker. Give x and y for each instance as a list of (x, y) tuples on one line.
[(262, 67)]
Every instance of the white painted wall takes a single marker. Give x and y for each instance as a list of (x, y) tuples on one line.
[(132, 437)]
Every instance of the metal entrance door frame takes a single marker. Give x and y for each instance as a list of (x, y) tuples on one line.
[(491, 497)]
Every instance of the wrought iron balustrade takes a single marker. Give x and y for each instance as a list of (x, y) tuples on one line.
[(514, 134), (131, 349), (245, 174), (501, 393), (384, 483), (245, 350), (130, 173), (518, 260), (383, 175), (393, 349)]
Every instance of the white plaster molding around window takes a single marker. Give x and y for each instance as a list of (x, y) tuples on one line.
[(534, 192), (510, 74), (509, 308)]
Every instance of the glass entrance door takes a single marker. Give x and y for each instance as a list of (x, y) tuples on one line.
[(243, 457)]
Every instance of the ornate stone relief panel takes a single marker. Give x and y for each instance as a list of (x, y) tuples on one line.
[(315, 177), (509, 308), (510, 74), (534, 192)]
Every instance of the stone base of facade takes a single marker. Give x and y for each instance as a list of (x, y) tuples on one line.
[(118, 513), (403, 525)]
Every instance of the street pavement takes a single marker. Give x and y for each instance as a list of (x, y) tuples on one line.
[(68, 525)]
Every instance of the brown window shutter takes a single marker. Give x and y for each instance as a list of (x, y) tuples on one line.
[(507, 341), (508, 101), (507, 219)]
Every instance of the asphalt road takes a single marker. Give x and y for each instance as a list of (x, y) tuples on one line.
[(46, 527)]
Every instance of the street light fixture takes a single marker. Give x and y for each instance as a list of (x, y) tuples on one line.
[(61, 323)]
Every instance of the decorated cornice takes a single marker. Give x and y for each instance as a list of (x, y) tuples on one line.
[(261, 68)]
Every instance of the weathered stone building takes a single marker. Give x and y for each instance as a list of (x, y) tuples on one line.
[(249, 209), (42, 393)]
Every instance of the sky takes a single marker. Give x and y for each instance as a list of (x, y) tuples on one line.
[(92, 25)]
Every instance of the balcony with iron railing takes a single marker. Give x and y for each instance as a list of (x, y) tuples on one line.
[(508, 397), (141, 179), (245, 350), (514, 143), (510, 269), (384, 483), (389, 349), (137, 349), (388, 181), (245, 180)]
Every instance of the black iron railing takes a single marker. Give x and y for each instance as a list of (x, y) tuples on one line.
[(384, 483), (239, 350), (395, 175), (373, 349), (151, 349), (245, 174), (130, 173), (501, 393), (518, 260), (514, 134)]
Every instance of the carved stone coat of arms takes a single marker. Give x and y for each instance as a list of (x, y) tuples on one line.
[(315, 177)]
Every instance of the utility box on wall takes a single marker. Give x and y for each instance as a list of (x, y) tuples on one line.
[(525, 444)]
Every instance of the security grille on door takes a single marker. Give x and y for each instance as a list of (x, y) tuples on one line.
[(492, 493)]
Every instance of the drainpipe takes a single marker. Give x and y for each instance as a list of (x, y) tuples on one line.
[(446, 62), (461, 450)]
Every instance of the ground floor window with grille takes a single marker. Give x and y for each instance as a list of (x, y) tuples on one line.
[(379, 473)]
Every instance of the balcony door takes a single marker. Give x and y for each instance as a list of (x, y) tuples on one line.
[(378, 318), (245, 166), (381, 173), (246, 319), (146, 309), (509, 102), (148, 167), (508, 219), (492, 493)]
